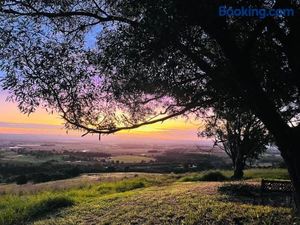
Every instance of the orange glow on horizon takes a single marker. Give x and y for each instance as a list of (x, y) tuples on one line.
[(169, 130)]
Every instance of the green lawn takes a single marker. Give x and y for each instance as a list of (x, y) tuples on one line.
[(140, 199), (253, 174)]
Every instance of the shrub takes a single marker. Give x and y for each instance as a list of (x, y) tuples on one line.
[(127, 186), (208, 176), (22, 179), (74, 172), (213, 176)]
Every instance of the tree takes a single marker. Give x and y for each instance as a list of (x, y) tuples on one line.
[(240, 134), (22, 179), (153, 60)]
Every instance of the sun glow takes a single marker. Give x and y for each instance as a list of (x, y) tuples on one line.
[(12, 121)]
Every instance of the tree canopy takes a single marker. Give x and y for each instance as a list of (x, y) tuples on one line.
[(153, 60)]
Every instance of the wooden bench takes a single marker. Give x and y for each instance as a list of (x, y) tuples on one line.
[(277, 186)]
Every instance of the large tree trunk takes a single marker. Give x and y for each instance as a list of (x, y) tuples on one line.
[(286, 138), (239, 166), (288, 141), (245, 84), (290, 151), (294, 171)]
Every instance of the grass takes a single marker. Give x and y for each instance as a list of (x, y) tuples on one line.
[(141, 199), (267, 174), (179, 203), (124, 185), (253, 174), (80, 182), (20, 209), (27, 207)]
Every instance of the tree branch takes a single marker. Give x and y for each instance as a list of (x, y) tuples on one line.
[(35, 13)]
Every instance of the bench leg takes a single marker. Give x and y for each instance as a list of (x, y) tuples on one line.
[(261, 198)]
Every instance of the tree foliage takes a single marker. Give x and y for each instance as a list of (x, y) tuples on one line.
[(152, 60)]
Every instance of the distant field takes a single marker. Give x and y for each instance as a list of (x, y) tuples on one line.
[(14, 157), (138, 198), (131, 159), (27, 164)]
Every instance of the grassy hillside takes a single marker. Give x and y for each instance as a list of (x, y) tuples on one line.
[(123, 198)]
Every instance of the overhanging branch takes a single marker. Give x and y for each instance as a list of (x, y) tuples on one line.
[(117, 129), (35, 12)]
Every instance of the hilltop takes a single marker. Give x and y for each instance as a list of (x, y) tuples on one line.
[(140, 198)]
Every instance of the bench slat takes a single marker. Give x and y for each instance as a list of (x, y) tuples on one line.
[(277, 186)]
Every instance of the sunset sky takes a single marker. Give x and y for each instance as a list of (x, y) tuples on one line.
[(13, 122)]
